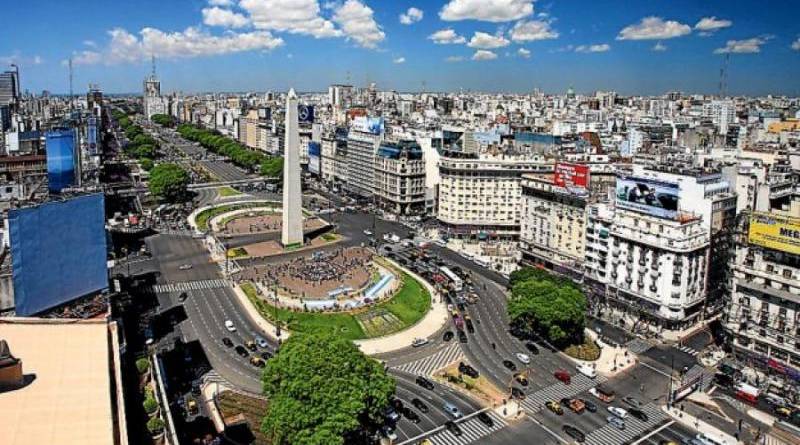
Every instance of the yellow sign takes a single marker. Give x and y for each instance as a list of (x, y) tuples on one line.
[(775, 232)]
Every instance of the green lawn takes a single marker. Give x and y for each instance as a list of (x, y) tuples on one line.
[(228, 191), (208, 214), (409, 306)]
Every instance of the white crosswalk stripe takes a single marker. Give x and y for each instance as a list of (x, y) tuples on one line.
[(190, 285), (472, 429), (579, 383), (426, 366), (689, 350), (696, 370), (638, 345), (611, 435)]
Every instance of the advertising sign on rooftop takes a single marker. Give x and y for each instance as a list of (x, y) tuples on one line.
[(775, 232), (373, 125), (571, 175), (650, 196)]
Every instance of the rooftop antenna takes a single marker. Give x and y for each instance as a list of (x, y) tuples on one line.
[(153, 64)]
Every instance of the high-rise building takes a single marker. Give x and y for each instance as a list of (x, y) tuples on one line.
[(153, 102), (363, 140), (9, 88), (60, 145)]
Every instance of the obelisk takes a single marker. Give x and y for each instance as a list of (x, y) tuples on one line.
[(292, 230)]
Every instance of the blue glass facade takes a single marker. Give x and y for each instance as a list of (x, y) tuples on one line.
[(60, 146)]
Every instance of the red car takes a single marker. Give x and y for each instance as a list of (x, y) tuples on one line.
[(563, 376)]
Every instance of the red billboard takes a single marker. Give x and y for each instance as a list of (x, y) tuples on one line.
[(571, 175)]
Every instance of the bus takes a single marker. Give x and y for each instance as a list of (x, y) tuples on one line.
[(746, 392), (456, 283)]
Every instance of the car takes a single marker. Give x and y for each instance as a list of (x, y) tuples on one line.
[(574, 433), (241, 351), (185, 267), (532, 348), (554, 407), (783, 412), (590, 406), (391, 414), (521, 379), (562, 376), (510, 365), (425, 383), (587, 370), (616, 422), (452, 410), (266, 355), (409, 414), (632, 401), (257, 362), (464, 368), (251, 345), (182, 297), (524, 358), (485, 419), (639, 414), (367, 232), (453, 428), (420, 405), (230, 326), (617, 411), (576, 405), (462, 337), (227, 342), (419, 342), (261, 342), (517, 393)]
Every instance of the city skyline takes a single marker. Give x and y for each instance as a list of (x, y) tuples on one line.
[(441, 45)]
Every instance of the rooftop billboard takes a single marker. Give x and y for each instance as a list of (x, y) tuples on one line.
[(58, 252), (373, 125), (650, 196), (60, 146), (775, 232), (571, 175)]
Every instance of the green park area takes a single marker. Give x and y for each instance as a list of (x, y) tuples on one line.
[(206, 215), (407, 307)]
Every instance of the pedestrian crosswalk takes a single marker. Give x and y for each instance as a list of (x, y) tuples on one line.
[(190, 285), (697, 370), (426, 366), (534, 402), (472, 429), (688, 350), (611, 435), (638, 345)]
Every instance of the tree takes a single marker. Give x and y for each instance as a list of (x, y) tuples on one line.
[(147, 164), (323, 390), (163, 119), (169, 182), (549, 306), (145, 151)]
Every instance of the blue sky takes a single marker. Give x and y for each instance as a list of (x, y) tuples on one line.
[(631, 46)]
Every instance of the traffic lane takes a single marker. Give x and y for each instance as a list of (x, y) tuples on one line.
[(667, 358), (411, 354), (440, 395), (464, 263), (615, 333), (675, 432), (516, 433), (173, 251)]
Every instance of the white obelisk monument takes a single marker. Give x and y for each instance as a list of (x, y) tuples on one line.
[(292, 230)]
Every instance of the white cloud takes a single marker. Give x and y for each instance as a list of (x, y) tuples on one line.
[(482, 54), (453, 59), (293, 16), (710, 24), (220, 2), (399, 60), (524, 53), (446, 37), (484, 40), (17, 58), (226, 18), (356, 21), (659, 47), (192, 42), (654, 28), (796, 44), (528, 31), (411, 16), (746, 46), (597, 48), (90, 43), (486, 10)]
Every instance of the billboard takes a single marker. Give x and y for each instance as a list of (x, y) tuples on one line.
[(314, 153), (656, 198), (571, 175), (58, 252), (373, 125), (775, 232), (60, 146), (305, 114)]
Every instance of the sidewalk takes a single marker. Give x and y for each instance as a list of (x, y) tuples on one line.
[(612, 360), (268, 328), (701, 426)]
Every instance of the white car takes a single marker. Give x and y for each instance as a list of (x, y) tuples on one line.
[(523, 358), (587, 370), (185, 267), (367, 232), (619, 412), (419, 342), (229, 326)]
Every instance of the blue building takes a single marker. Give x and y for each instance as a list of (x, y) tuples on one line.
[(60, 146)]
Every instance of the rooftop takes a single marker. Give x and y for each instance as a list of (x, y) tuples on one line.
[(68, 398)]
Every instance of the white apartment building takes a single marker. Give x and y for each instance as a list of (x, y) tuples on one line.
[(363, 140), (153, 102), (400, 178), (480, 195)]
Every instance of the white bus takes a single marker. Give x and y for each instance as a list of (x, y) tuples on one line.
[(457, 283)]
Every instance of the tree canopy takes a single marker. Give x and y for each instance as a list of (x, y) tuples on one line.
[(240, 155), (164, 120), (169, 182), (550, 306), (322, 390)]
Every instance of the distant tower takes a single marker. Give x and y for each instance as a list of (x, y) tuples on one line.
[(292, 230), (153, 104)]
